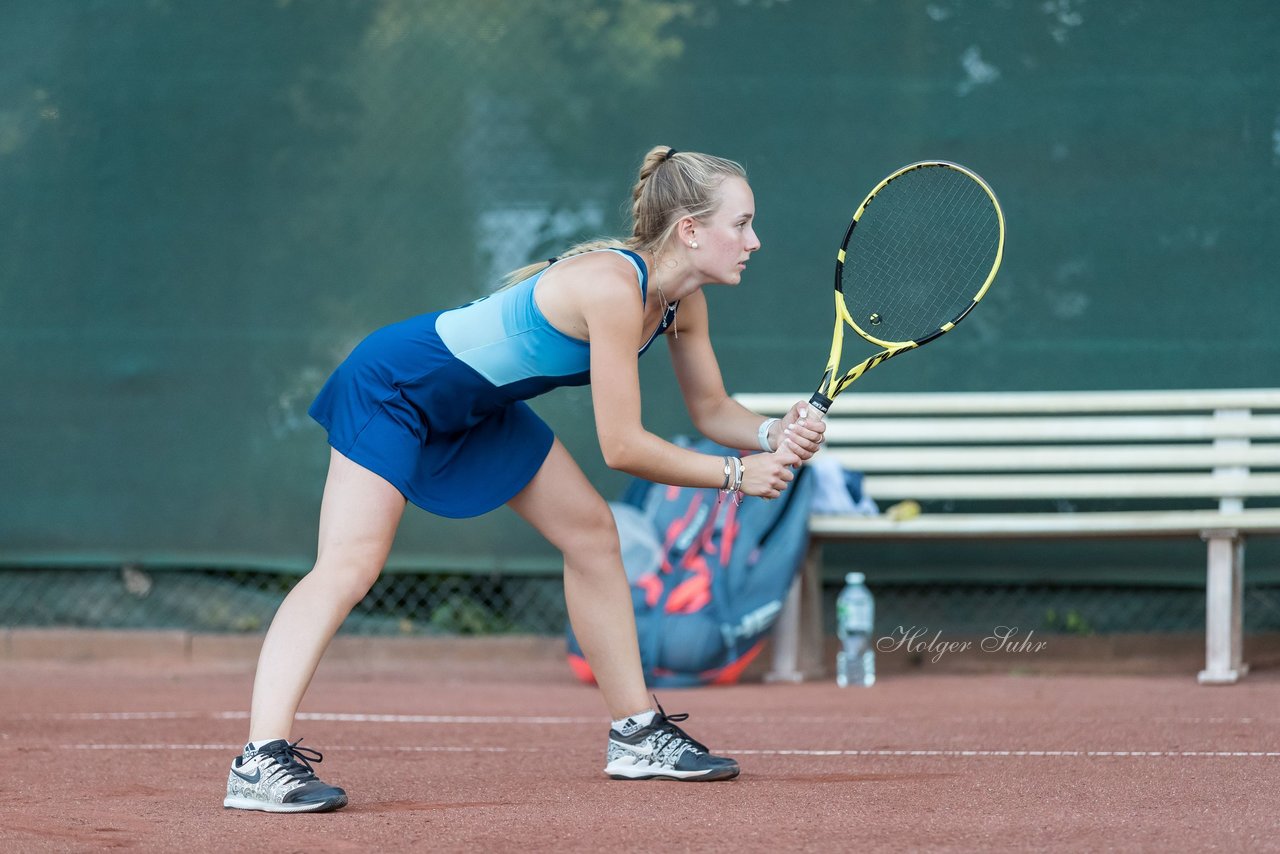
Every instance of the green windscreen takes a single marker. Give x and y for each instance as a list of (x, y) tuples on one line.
[(206, 205)]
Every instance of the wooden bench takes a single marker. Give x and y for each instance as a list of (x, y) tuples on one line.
[(1177, 463)]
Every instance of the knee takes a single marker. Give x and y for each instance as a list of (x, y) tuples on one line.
[(347, 572), (594, 537)]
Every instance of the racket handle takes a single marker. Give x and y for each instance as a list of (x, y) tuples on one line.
[(821, 403)]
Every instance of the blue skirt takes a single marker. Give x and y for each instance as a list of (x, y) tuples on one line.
[(403, 407)]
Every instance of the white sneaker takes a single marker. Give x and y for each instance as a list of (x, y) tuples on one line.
[(278, 778), (663, 751)]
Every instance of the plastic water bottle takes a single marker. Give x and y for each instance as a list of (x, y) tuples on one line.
[(855, 615)]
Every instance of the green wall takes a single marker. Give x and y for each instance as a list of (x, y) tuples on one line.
[(205, 206)]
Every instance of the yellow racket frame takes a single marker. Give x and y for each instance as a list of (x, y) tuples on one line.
[(832, 384)]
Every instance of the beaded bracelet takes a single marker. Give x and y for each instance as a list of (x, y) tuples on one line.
[(734, 469)]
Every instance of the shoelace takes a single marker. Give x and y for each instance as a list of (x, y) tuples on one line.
[(292, 760), (667, 725)]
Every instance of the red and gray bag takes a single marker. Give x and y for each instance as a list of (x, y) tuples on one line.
[(708, 576)]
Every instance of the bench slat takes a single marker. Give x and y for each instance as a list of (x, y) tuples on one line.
[(1055, 458), (1035, 525), (939, 403), (1013, 486), (859, 431)]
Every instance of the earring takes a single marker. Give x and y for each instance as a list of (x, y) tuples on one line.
[(693, 244)]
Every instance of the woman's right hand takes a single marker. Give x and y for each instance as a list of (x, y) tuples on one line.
[(767, 475)]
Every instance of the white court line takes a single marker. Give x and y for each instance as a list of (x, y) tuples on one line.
[(235, 748), (987, 719), (315, 716), (963, 754), (567, 720), (1089, 754), (113, 716), (445, 719)]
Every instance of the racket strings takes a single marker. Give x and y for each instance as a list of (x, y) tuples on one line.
[(920, 253)]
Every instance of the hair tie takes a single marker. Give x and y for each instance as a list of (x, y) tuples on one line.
[(671, 152)]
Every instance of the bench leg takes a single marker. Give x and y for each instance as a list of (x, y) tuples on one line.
[(797, 636), (1224, 609)]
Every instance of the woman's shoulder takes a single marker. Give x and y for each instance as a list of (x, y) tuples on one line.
[(612, 258), (601, 273)]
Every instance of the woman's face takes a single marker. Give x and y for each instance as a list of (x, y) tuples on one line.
[(726, 237)]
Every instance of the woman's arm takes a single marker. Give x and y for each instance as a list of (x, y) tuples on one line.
[(717, 415), (614, 316)]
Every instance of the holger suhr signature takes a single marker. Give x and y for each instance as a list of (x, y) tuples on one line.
[(916, 639)]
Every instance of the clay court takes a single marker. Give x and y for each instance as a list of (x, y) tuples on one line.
[(491, 745), (239, 234)]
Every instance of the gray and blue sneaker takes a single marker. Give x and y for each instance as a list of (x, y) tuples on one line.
[(278, 778), (663, 751)]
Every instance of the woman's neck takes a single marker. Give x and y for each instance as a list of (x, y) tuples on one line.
[(673, 280)]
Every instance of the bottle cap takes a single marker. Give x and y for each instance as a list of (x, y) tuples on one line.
[(854, 578)]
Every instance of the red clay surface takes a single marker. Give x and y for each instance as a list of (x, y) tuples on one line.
[(464, 755)]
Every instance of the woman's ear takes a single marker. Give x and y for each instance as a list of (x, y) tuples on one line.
[(687, 230)]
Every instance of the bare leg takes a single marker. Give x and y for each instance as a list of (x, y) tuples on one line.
[(568, 511), (358, 520)]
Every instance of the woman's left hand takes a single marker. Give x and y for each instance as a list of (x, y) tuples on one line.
[(801, 434)]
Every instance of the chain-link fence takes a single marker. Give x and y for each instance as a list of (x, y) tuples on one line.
[(411, 604), (219, 600)]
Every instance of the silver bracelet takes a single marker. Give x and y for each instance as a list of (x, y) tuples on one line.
[(763, 434)]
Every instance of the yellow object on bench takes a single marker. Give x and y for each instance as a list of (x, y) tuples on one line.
[(1211, 450)]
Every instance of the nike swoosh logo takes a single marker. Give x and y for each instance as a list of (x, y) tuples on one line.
[(645, 749), (257, 775)]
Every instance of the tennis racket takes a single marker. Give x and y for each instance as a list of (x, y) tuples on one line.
[(920, 253)]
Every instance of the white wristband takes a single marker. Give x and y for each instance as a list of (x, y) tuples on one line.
[(763, 434)]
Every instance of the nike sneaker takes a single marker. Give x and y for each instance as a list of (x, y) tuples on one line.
[(277, 777), (663, 751)]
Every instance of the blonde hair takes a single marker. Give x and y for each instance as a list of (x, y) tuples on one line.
[(672, 185)]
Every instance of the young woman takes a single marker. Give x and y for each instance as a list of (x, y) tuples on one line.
[(431, 411)]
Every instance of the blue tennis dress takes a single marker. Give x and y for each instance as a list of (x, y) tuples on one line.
[(435, 404)]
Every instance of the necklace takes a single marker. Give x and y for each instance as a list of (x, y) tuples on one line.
[(666, 309)]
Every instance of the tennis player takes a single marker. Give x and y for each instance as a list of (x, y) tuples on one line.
[(431, 410)]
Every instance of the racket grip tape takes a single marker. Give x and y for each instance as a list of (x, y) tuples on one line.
[(821, 403)]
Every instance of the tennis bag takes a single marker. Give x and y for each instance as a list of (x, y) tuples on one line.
[(708, 575)]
